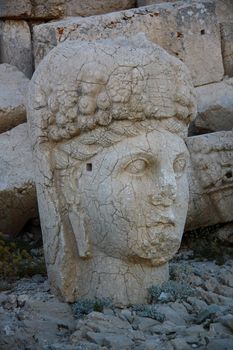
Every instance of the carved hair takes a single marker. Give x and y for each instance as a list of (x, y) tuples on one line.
[(130, 82), (87, 145)]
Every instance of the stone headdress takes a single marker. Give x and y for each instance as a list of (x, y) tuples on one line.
[(83, 97), (89, 87)]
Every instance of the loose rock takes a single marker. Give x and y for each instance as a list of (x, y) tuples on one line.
[(13, 89), (16, 45), (50, 9), (215, 107), (210, 179), (17, 190)]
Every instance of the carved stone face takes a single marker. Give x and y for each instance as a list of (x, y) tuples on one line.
[(135, 197), (112, 191)]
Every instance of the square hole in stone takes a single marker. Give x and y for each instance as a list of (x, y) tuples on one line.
[(89, 166), (203, 32), (229, 174)]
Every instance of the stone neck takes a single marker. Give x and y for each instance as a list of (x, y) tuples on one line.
[(124, 283)]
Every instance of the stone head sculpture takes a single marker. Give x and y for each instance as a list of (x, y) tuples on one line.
[(107, 120)]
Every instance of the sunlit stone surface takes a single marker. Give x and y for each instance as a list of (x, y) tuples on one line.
[(107, 121), (210, 179)]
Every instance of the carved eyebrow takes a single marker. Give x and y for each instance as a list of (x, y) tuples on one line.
[(137, 154), (181, 154)]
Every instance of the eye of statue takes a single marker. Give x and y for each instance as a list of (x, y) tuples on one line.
[(137, 166), (179, 165)]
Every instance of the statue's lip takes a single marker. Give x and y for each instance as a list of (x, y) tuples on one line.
[(164, 221)]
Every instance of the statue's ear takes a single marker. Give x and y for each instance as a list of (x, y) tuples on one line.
[(82, 240)]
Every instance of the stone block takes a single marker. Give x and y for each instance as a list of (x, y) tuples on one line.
[(15, 9), (210, 179), (17, 190), (215, 107), (13, 89), (90, 7), (227, 47), (15, 45), (224, 8), (31, 9), (188, 31), (50, 9), (225, 234)]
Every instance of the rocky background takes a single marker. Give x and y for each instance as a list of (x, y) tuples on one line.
[(200, 33)]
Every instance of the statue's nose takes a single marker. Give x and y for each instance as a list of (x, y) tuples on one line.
[(165, 190)]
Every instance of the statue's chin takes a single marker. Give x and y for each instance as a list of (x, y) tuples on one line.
[(146, 261), (155, 245), (157, 251)]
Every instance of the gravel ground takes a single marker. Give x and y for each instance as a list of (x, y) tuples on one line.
[(193, 311)]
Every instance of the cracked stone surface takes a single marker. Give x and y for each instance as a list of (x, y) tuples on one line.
[(13, 89), (32, 9), (224, 8), (187, 30), (40, 9), (214, 107), (210, 179), (90, 8), (16, 45), (17, 187), (106, 122)]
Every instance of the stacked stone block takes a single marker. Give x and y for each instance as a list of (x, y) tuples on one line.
[(188, 31), (17, 189), (51, 9), (16, 45)]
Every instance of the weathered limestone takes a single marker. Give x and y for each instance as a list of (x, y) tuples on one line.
[(32, 9), (15, 44), (13, 89), (151, 2), (224, 8), (189, 31), (215, 107), (52, 9), (90, 7), (211, 179), (225, 233), (106, 122), (227, 47), (17, 189), (14, 9), (41, 9)]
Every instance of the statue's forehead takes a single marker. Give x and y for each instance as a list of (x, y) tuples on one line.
[(88, 59), (108, 72), (155, 143)]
